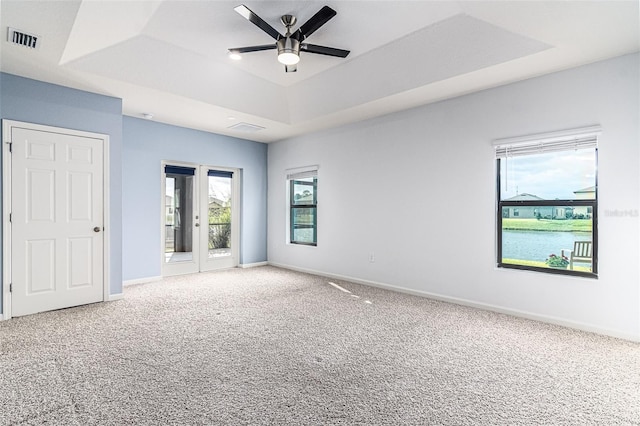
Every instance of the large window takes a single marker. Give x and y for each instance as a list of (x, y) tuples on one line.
[(303, 206), (547, 203)]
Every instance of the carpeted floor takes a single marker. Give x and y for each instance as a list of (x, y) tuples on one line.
[(266, 346)]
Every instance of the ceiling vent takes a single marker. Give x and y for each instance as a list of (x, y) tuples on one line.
[(246, 127), (21, 38)]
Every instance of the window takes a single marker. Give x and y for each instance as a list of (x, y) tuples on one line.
[(547, 202), (303, 206)]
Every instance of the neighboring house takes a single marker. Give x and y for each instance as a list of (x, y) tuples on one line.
[(216, 203), (530, 212), (584, 194), (304, 198)]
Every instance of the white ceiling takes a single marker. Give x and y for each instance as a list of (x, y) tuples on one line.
[(169, 57)]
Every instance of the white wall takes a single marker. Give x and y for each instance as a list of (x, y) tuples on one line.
[(417, 188)]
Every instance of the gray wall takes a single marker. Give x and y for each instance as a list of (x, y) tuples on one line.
[(33, 101), (395, 186), (146, 144)]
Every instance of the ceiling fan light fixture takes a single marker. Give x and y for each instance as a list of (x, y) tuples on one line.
[(288, 51), (288, 58)]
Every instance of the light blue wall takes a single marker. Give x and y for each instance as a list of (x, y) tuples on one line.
[(33, 101), (146, 144)]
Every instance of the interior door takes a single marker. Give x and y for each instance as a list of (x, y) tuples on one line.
[(57, 220), (181, 240), (220, 214)]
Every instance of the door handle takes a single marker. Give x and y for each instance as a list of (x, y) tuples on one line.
[(96, 229), (197, 224)]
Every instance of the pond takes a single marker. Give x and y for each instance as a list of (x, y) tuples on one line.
[(538, 245)]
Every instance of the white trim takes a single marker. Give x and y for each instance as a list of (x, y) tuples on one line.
[(142, 281), (7, 126), (252, 265), (6, 228), (559, 135), (106, 226), (470, 303), (302, 172), (117, 296)]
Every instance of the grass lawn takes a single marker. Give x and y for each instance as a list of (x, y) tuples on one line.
[(555, 225), (542, 264)]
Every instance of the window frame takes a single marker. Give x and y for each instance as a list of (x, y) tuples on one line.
[(293, 206), (592, 203)]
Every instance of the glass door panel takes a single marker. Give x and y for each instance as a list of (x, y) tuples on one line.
[(180, 221), (221, 247), (219, 214)]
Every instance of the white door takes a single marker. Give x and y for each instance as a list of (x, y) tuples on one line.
[(200, 224), (57, 220), (181, 222), (220, 218)]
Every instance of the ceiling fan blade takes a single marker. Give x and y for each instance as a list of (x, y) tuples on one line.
[(291, 68), (323, 50), (252, 48), (315, 22), (258, 21)]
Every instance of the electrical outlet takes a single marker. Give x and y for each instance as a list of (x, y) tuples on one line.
[(372, 257)]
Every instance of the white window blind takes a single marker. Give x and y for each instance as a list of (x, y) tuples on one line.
[(548, 142), (302, 172)]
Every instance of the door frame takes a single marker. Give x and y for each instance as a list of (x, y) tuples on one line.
[(236, 208), (7, 126), (199, 188)]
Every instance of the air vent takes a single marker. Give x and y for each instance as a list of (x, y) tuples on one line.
[(21, 38), (246, 127)]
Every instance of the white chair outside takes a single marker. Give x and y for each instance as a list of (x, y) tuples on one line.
[(581, 253)]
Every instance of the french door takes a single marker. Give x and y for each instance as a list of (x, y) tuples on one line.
[(200, 226)]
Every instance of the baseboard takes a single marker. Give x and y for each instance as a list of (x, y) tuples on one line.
[(141, 281), (252, 265), (116, 296), (470, 303)]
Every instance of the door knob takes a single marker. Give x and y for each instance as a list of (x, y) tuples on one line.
[(96, 229), (197, 224)]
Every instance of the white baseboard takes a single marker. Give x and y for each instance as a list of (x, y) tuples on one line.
[(116, 296), (141, 281), (252, 265), (470, 303)]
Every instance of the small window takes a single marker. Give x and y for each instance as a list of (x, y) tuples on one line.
[(303, 206), (547, 199)]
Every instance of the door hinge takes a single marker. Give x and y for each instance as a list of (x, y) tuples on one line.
[(10, 146), (10, 287), (10, 217)]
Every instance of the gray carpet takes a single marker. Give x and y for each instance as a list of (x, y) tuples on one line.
[(266, 346)]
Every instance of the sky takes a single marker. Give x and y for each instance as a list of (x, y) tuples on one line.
[(551, 176)]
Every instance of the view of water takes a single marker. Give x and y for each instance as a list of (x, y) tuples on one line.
[(538, 245)]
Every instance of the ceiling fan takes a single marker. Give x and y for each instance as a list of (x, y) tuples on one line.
[(290, 44)]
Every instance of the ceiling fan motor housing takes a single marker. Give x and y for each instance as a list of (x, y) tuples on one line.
[(288, 47)]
